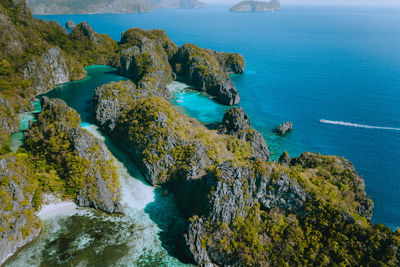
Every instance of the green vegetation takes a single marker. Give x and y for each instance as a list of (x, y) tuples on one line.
[(18, 188), (265, 238), (51, 145)]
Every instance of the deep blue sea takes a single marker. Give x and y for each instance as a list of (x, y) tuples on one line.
[(304, 64)]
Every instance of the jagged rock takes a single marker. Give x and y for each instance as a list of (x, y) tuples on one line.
[(93, 172), (84, 29), (9, 122), (50, 70), (285, 159), (145, 58), (70, 24), (18, 223), (236, 122), (201, 68), (284, 128), (256, 6), (354, 181)]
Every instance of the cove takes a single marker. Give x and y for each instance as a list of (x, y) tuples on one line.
[(147, 233)]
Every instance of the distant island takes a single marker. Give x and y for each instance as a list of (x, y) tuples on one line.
[(44, 7), (256, 6)]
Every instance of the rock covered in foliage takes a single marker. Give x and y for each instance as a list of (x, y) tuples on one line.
[(284, 128), (81, 160), (145, 58), (162, 141), (48, 71), (92, 48), (8, 122), (208, 71), (19, 224), (256, 6), (237, 123), (70, 24)]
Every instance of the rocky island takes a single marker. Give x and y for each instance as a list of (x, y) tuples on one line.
[(256, 6), (43, 7), (240, 208)]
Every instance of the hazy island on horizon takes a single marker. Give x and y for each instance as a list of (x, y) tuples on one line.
[(256, 6), (46, 7)]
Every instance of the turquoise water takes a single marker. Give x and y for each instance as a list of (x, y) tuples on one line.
[(147, 233), (303, 64), (17, 139)]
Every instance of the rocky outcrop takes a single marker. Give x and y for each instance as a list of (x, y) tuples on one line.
[(237, 123), (18, 223), (81, 159), (344, 173), (209, 72), (284, 128), (70, 24), (40, 7), (8, 121), (48, 71), (145, 58), (256, 6)]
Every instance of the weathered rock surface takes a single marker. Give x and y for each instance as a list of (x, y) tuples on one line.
[(18, 223), (284, 128), (256, 6), (145, 58), (70, 24), (342, 166), (91, 174), (209, 71), (8, 121), (237, 123), (48, 71)]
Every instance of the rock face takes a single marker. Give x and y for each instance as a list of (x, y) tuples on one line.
[(81, 159), (145, 58), (284, 128), (8, 121), (18, 223), (152, 60), (70, 24), (209, 71), (256, 6), (237, 123), (48, 71), (41, 7)]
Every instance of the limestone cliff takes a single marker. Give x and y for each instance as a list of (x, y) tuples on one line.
[(209, 71), (162, 141), (152, 60), (19, 224), (81, 160)]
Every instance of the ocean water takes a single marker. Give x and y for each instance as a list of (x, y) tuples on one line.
[(304, 64)]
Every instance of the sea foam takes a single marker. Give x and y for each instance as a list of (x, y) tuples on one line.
[(350, 124)]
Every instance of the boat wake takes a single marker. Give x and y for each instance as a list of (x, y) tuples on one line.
[(350, 124)]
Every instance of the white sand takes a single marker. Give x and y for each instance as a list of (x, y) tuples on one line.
[(54, 207)]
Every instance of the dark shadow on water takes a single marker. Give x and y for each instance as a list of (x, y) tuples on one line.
[(212, 125)]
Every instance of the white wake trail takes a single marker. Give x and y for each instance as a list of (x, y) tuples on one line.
[(350, 124)]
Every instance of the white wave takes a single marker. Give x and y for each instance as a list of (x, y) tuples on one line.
[(350, 124)]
